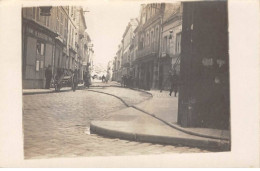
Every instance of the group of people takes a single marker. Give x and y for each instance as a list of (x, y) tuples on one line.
[(127, 80), (104, 80), (87, 78), (173, 79), (62, 72)]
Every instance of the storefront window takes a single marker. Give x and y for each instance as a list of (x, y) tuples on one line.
[(37, 65), (178, 44), (40, 48)]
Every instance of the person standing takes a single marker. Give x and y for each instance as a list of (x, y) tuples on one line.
[(75, 80), (48, 76), (174, 84)]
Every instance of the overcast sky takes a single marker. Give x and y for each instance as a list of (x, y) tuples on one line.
[(106, 23)]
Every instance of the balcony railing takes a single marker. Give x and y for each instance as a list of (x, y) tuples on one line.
[(153, 49)]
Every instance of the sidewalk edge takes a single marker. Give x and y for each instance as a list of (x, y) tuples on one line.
[(179, 128), (212, 144), (169, 124)]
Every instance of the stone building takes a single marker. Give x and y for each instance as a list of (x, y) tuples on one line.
[(50, 40), (127, 37), (117, 64), (149, 35), (170, 48)]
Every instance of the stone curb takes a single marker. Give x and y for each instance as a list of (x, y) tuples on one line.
[(212, 144), (51, 91), (180, 128), (169, 124), (136, 89), (113, 96)]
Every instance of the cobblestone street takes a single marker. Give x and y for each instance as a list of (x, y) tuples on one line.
[(57, 125)]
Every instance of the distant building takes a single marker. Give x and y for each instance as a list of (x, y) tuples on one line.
[(127, 37)]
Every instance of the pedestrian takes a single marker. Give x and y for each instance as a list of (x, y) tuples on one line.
[(103, 78), (174, 84), (75, 80), (48, 76), (87, 79)]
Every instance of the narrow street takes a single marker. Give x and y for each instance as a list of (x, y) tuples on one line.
[(57, 125)]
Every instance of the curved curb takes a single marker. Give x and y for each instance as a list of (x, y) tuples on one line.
[(127, 105), (113, 96), (212, 144), (143, 91), (169, 124), (181, 129)]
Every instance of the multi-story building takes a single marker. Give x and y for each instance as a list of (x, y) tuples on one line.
[(43, 39), (49, 40), (127, 37), (170, 48), (154, 45), (149, 34)]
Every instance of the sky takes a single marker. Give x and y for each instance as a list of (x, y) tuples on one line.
[(106, 23)]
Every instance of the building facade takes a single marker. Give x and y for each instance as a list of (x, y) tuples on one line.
[(170, 48), (50, 40), (126, 50), (147, 55)]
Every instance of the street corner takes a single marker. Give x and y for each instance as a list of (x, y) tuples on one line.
[(111, 129)]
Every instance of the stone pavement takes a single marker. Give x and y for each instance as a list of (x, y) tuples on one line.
[(156, 104), (164, 108), (57, 125)]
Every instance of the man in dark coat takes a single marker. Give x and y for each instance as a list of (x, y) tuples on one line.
[(174, 83), (75, 80), (48, 76)]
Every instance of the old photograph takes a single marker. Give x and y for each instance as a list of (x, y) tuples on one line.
[(125, 79)]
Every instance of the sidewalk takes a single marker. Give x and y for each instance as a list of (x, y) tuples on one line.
[(136, 123), (43, 91), (159, 107)]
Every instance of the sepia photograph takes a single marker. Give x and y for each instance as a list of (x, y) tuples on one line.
[(153, 81), (130, 79)]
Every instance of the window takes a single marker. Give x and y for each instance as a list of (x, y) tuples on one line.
[(61, 24), (33, 12), (178, 44), (40, 48), (152, 37), (157, 34), (164, 43), (47, 21), (37, 14), (72, 36), (147, 39)]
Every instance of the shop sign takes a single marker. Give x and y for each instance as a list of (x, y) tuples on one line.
[(41, 35)]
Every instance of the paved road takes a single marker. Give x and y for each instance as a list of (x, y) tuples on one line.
[(57, 125)]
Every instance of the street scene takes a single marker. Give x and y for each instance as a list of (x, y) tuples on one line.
[(152, 81)]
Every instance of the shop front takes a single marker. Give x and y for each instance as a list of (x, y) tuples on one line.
[(37, 53)]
